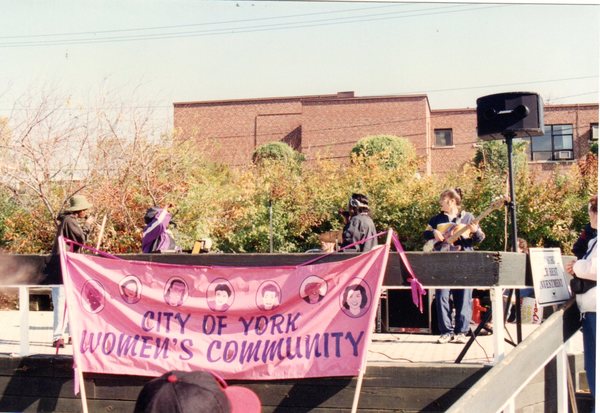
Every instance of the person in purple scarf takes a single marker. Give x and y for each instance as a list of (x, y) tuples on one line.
[(156, 236)]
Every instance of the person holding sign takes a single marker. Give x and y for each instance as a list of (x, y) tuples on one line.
[(440, 229), (583, 285)]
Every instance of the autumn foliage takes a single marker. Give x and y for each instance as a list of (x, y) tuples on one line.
[(290, 200)]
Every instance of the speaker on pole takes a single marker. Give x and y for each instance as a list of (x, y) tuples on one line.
[(507, 116), (519, 114)]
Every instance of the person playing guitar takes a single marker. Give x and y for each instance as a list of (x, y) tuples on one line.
[(443, 227), (440, 229)]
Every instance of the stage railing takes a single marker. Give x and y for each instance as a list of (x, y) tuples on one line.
[(478, 269), (24, 291), (497, 389)]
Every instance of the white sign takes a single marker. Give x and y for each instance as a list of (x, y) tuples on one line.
[(549, 278)]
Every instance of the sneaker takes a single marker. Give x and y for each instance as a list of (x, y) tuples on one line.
[(460, 338), (60, 343), (444, 338)]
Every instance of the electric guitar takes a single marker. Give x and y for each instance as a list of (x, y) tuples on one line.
[(454, 231)]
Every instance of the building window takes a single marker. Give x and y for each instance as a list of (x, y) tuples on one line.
[(443, 137), (594, 135), (555, 145)]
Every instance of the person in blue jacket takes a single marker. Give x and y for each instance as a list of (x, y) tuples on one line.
[(439, 229)]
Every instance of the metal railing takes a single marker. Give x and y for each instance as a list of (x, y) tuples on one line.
[(24, 291)]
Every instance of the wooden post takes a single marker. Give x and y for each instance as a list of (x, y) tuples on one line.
[(62, 249), (498, 323), (24, 318), (571, 385), (79, 373), (101, 233), (363, 363), (562, 394)]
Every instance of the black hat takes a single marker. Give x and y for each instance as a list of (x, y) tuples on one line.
[(150, 214), (197, 392)]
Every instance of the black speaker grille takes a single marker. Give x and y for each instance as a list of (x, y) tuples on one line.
[(518, 113)]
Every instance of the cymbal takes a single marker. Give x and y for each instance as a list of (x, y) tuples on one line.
[(331, 236)]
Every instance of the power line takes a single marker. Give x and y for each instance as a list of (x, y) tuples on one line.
[(239, 30), (95, 32), (170, 106), (328, 129), (595, 92), (509, 84)]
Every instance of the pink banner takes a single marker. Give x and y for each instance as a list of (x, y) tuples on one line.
[(140, 318)]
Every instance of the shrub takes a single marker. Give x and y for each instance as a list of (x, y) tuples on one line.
[(276, 151), (387, 150)]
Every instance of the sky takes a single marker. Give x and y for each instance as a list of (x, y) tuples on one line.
[(152, 53)]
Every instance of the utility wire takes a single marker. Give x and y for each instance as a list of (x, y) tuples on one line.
[(508, 84), (405, 93), (177, 26), (346, 126), (237, 30)]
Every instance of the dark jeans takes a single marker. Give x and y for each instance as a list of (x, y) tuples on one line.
[(462, 305), (588, 326)]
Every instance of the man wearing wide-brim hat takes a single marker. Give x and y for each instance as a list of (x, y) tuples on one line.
[(70, 227)]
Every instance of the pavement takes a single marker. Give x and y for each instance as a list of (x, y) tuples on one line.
[(384, 348)]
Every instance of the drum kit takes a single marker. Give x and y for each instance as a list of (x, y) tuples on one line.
[(331, 237)]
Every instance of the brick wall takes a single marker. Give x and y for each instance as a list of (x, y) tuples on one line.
[(463, 123), (328, 126), (230, 131), (331, 128)]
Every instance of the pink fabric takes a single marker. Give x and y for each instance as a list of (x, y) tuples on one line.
[(416, 287), (118, 331)]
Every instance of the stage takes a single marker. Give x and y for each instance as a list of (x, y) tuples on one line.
[(405, 372)]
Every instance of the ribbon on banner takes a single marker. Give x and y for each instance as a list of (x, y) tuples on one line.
[(145, 318), (415, 285)]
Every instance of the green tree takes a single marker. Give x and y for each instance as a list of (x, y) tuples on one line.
[(388, 150), (276, 151), (492, 156)]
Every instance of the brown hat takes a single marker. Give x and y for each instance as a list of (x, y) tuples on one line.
[(197, 392)]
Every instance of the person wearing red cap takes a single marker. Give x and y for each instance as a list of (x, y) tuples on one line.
[(195, 392)]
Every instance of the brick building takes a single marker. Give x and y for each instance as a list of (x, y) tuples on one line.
[(328, 126)]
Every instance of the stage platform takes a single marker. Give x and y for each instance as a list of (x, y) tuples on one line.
[(405, 372)]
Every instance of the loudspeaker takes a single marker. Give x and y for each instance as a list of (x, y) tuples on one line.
[(518, 113), (400, 315)]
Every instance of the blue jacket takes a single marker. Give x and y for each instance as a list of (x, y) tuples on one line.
[(441, 221)]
